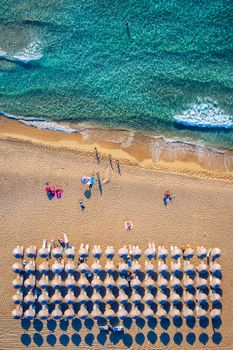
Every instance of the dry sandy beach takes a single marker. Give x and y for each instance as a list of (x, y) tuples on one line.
[(200, 214)]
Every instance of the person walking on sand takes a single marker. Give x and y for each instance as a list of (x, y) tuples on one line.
[(118, 167), (82, 205), (110, 160), (97, 156)]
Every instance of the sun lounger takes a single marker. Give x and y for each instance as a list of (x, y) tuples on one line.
[(104, 328)]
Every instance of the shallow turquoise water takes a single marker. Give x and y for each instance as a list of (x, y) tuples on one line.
[(95, 68)]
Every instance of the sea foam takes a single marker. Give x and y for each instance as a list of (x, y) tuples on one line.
[(205, 114), (33, 52)]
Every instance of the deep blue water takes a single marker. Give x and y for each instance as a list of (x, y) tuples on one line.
[(84, 63)]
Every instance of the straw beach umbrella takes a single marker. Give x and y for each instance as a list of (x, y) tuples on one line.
[(187, 313), (136, 298), (43, 267), (123, 252), (109, 314), (148, 312), (44, 298), (188, 253), (31, 252), (96, 313), (97, 252), (215, 253), (56, 298), (122, 283), (202, 268), (30, 282), (109, 282), (215, 283), (96, 298), (96, 282), (148, 298), (188, 298), (122, 298), (201, 313), (136, 283), (109, 297), (17, 312), (123, 268), (122, 313), (83, 314), (201, 283), (29, 299), (57, 267), (215, 313), (70, 297), (174, 298), (17, 282), (83, 283), (70, 267), (83, 268), (162, 268), (83, 252), (30, 313), (215, 267), (17, 267), (96, 267), (43, 252), (17, 298), (161, 298), (162, 252), (188, 282), (149, 267), (70, 253), (57, 253), (136, 267), (137, 252), (162, 282), (109, 252), (109, 267), (83, 298), (135, 313), (173, 312), (175, 252), (43, 314), (161, 313), (56, 314), (149, 283), (70, 281), (44, 281), (56, 281), (18, 252), (201, 252)]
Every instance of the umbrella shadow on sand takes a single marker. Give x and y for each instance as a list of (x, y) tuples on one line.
[(87, 194)]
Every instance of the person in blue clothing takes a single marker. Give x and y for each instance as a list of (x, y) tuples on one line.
[(82, 205)]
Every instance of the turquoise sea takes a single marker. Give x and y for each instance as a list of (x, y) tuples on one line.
[(164, 66)]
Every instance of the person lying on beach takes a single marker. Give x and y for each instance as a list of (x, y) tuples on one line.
[(167, 197)]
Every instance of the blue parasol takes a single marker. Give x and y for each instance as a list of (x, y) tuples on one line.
[(84, 180)]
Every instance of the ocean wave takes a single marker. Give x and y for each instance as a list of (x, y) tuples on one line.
[(33, 52), (205, 114), (41, 124)]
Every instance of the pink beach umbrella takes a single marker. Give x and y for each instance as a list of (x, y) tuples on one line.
[(215, 253), (188, 253), (176, 267), (161, 313), (29, 299), (83, 297), (109, 267), (122, 283), (135, 313), (215, 313), (162, 268), (188, 298), (188, 268), (96, 282), (43, 252), (44, 282), (83, 268), (215, 267), (135, 283), (137, 252), (70, 267), (83, 314), (201, 252), (56, 281), (96, 267), (149, 283), (201, 297), (175, 252), (122, 298), (149, 267), (187, 313), (96, 298), (109, 314), (123, 268), (202, 267), (70, 281), (31, 252), (215, 283), (83, 283), (57, 267), (162, 252), (83, 252), (136, 298), (70, 253), (162, 282), (174, 312), (56, 298), (201, 283), (30, 282), (214, 296), (30, 313), (44, 267), (148, 298), (30, 267), (174, 298), (150, 253), (109, 282), (122, 313), (56, 314), (123, 252), (200, 312), (188, 282), (161, 298), (136, 267), (109, 297), (148, 312)]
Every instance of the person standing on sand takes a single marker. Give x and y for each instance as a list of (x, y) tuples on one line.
[(82, 205), (110, 160), (97, 156)]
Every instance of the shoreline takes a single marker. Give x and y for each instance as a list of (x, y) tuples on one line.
[(130, 147)]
